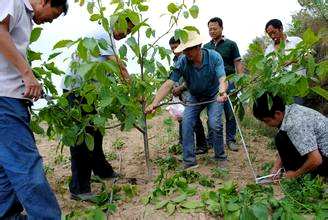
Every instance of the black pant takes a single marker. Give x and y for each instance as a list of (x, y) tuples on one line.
[(199, 133), (83, 161), (292, 159)]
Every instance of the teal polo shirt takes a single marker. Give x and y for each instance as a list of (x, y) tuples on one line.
[(228, 49), (203, 81)]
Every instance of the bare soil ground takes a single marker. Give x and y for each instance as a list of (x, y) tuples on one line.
[(131, 163)]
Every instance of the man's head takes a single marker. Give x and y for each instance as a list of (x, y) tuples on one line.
[(272, 117), (275, 30), (48, 10), (193, 53), (215, 28), (173, 45), (120, 34), (192, 47)]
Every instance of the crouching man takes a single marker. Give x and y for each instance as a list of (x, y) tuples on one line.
[(203, 72), (302, 138)]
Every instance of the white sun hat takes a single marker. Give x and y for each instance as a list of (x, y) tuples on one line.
[(194, 39)]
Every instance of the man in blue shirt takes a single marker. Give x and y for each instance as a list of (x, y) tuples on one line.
[(182, 92), (203, 72)]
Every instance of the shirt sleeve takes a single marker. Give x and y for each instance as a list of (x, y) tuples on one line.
[(235, 52), (8, 8), (303, 136), (219, 65), (176, 71)]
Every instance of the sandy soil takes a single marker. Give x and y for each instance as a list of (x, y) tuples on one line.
[(133, 165)]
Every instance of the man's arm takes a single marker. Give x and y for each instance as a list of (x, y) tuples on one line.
[(239, 67), (314, 159), (222, 97), (124, 72), (160, 95), (10, 52)]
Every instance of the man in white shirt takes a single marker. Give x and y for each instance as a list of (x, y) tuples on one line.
[(23, 183), (275, 30), (84, 161)]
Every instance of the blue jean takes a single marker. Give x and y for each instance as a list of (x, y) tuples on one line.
[(22, 179), (190, 116), (231, 126)]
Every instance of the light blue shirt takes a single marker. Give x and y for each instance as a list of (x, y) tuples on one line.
[(202, 82)]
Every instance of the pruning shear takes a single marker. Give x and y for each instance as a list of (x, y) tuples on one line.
[(269, 178)]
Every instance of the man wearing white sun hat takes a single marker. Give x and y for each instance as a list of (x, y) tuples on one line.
[(203, 72)]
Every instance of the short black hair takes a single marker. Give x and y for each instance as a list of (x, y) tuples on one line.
[(216, 19), (59, 4), (276, 23), (174, 41), (261, 106)]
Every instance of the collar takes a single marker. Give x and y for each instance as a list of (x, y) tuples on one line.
[(221, 40), (28, 5), (284, 122)]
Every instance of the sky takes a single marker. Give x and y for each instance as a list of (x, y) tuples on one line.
[(243, 21)]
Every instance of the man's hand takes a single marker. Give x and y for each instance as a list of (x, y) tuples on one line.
[(32, 86), (291, 174), (222, 97), (177, 91), (150, 108)]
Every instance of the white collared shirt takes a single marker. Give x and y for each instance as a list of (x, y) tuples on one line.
[(291, 43), (110, 51), (20, 28)]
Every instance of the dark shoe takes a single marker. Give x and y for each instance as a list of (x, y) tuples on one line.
[(83, 196), (113, 175), (190, 166), (222, 157), (200, 151), (232, 146)]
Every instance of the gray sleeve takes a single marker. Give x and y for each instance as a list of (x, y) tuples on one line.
[(8, 8), (302, 135)]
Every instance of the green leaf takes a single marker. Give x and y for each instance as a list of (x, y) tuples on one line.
[(172, 8), (134, 17), (134, 46), (191, 28), (232, 207), (309, 37), (85, 68), (52, 56), (180, 198), (89, 140), (36, 32), (63, 43), (181, 34), (186, 14), (320, 91), (260, 211), (170, 208), (123, 51), (95, 17), (90, 7), (161, 204), (145, 200), (194, 10), (192, 204), (82, 51), (32, 56), (143, 7)]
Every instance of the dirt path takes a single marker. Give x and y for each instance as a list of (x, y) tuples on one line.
[(163, 133)]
